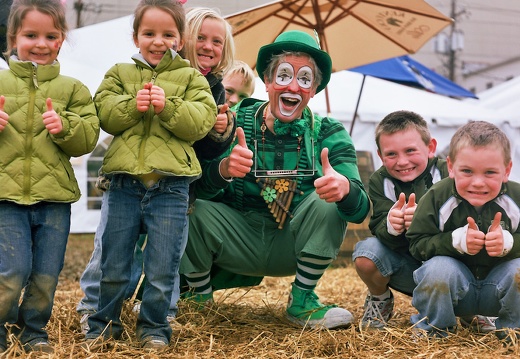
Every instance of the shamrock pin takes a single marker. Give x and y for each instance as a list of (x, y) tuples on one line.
[(269, 194)]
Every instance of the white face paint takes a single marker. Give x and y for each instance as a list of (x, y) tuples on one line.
[(292, 88), (285, 75), (304, 77)]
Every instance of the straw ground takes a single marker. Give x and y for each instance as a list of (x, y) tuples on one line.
[(250, 323)]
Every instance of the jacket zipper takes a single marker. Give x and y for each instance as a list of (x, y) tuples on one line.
[(147, 126), (29, 137)]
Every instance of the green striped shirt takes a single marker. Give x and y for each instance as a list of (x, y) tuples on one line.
[(281, 153)]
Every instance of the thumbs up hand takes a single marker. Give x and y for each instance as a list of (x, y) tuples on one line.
[(332, 186), (222, 119), (4, 117), (396, 215), (475, 239), (494, 237), (51, 119), (240, 161), (409, 211)]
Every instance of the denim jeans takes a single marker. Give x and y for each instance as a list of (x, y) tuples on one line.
[(91, 277), (160, 211), (33, 240), (399, 266), (446, 289)]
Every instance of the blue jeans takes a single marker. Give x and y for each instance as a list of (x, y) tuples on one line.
[(399, 266), (160, 211), (91, 277), (33, 240), (446, 289)]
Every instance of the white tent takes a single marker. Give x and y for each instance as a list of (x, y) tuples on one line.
[(90, 51), (503, 100)]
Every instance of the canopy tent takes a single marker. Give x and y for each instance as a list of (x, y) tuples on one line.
[(406, 71)]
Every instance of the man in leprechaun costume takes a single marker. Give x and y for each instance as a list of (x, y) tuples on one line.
[(278, 203)]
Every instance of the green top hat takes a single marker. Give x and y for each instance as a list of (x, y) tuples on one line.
[(296, 41)]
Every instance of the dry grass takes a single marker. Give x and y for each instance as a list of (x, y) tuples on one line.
[(251, 324)]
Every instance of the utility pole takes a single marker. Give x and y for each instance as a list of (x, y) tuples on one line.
[(456, 41), (448, 45), (78, 6), (452, 54), (82, 7)]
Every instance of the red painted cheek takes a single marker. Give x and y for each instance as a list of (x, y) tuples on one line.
[(279, 87)]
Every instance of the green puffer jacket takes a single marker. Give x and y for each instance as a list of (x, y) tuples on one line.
[(148, 142), (34, 165)]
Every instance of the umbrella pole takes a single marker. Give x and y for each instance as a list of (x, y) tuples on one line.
[(327, 101), (357, 106)]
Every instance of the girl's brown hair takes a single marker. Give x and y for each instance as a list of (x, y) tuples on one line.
[(172, 7), (19, 8)]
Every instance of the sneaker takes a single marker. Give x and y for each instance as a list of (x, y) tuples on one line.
[(174, 324), (478, 323), (137, 307), (304, 308), (40, 346), (154, 344), (436, 334), (83, 323), (377, 312), (510, 338)]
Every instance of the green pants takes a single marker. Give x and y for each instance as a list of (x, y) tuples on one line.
[(251, 244)]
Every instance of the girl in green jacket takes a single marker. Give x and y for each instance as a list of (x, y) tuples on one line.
[(45, 118), (156, 109)]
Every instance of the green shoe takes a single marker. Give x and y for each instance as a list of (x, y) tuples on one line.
[(304, 308), (201, 300)]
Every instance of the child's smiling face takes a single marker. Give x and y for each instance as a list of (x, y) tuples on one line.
[(479, 173), (38, 40), (404, 154), (210, 43), (157, 34)]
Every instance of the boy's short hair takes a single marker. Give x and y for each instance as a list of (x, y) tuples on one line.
[(242, 69), (400, 121), (480, 134)]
